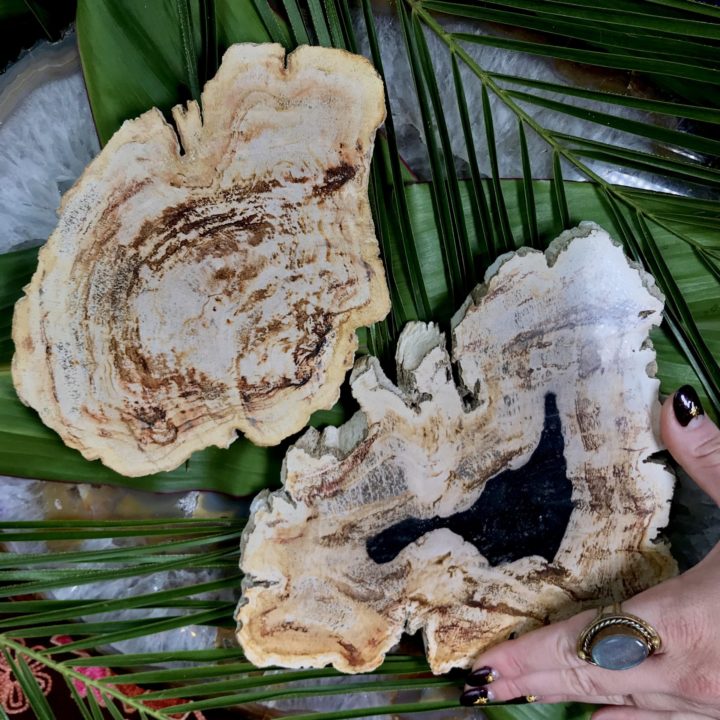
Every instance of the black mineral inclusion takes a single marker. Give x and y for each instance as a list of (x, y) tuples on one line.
[(520, 512)]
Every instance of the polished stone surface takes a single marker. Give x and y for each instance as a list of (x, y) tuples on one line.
[(619, 652)]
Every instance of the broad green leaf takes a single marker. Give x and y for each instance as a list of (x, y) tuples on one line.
[(16, 269), (12, 8), (137, 55), (130, 61)]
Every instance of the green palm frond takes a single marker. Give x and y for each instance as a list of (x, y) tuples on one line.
[(195, 680), (437, 239), (637, 221)]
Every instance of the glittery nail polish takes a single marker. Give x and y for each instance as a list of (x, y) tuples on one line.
[(476, 696), (686, 405), (481, 676)]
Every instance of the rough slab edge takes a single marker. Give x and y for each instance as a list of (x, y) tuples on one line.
[(189, 123), (585, 229), (315, 443)]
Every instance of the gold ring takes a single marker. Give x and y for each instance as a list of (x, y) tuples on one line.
[(617, 641)]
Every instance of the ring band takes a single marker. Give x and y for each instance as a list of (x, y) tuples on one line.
[(617, 641)]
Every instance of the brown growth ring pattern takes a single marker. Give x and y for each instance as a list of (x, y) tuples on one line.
[(475, 512), (185, 296)]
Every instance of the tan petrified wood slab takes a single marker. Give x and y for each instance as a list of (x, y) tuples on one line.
[(558, 398), (189, 293)]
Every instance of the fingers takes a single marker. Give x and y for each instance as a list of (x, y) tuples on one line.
[(623, 700), (583, 682), (547, 648), (544, 663), (692, 439), (554, 649)]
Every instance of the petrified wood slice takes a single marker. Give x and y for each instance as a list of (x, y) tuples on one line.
[(187, 293), (471, 513)]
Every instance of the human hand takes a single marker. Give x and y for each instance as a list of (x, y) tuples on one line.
[(681, 681)]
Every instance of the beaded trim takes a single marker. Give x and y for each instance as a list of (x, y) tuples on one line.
[(637, 626)]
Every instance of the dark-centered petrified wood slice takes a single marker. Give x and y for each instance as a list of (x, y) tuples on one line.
[(471, 513), (188, 293)]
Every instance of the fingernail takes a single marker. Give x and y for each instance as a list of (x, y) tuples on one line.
[(481, 676), (476, 696), (523, 700), (686, 405)]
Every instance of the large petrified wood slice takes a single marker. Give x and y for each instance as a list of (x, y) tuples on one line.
[(471, 513), (187, 293)]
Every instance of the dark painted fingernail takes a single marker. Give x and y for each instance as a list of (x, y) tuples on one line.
[(481, 676), (686, 405), (476, 696), (523, 700)]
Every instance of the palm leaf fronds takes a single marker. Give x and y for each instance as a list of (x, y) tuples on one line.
[(437, 240), (168, 682)]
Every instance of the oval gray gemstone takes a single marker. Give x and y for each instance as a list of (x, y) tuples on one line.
[(619, 652)]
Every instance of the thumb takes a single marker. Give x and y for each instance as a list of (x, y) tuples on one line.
[(692, 439)]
